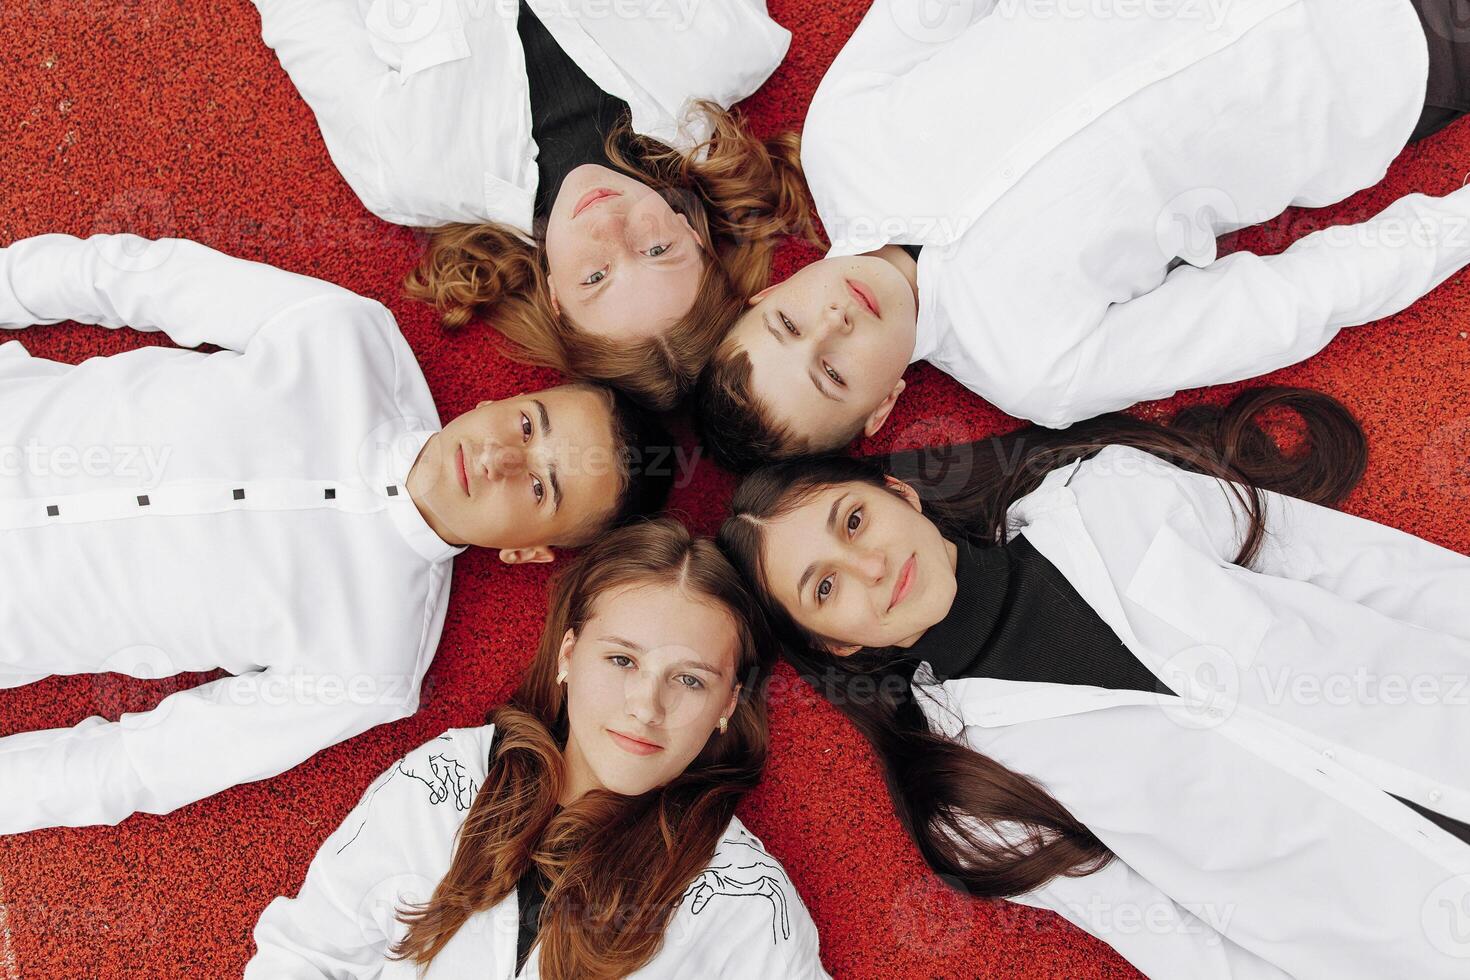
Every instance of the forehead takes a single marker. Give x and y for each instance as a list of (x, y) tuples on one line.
[(793, 539), (666, 622), (581, 449)]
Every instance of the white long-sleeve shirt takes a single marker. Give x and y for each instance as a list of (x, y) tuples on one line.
[(740, 918), (1249, 809), (167, 510), (425, 106), (1056, 167)]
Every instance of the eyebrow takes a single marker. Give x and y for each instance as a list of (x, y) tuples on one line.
[(812, 568), (638, 648), (551, 468)]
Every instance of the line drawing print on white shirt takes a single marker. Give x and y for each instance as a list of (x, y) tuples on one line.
[(719, 880)]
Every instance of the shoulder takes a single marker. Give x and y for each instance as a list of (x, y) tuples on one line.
[(448, 770), (430, 789), (742, 916)]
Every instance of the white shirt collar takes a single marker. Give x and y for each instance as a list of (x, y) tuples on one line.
[(389, 456), (926, 329)]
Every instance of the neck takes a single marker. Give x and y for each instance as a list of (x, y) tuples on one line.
[(904, 263), (420, 485), (579, 779)]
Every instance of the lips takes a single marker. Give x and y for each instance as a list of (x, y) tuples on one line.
[(591, 198), (461, 470), (864, 296), (905, 581), (636, 746)]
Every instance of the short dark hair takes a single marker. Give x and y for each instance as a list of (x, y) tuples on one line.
[(735, 426), (638, 437)]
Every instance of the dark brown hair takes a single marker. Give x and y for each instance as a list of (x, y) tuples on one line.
[(956, 803), (616, 866), (741, 194)]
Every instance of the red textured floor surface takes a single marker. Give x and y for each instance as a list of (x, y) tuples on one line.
[(165, 118)]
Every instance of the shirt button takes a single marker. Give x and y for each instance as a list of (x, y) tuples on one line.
[(1008, 173), (1434, 795), (1162, 64), (1084, 110), (1328, 753)]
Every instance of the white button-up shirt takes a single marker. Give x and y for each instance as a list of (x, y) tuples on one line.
[(1068, 174), (425, 107), (1249, 810), (166, 510), (741, 917)]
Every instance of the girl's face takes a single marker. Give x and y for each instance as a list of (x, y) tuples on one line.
[(622, 264), (648, 678), (860, 566)]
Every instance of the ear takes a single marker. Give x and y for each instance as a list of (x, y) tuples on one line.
[(842, 649), (563, 656), (734, 702), (488, 401), (905, 491), (879, 416), (555, 306), (539, 555), (694, 234), (754, 300)]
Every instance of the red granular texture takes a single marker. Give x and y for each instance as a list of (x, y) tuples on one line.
[(165, 118)]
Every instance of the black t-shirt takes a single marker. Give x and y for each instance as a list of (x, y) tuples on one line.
[(570, 115), (530, 896)]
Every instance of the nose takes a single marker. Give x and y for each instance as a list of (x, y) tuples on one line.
[(642, 700), (835, 320), (870, 565), (502, 461)]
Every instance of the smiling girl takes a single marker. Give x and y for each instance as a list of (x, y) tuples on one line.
[(1108, 669), (589, 829), (593, 199)]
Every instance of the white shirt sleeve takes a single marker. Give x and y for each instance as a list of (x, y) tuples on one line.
[(742, 920), (1242, 316), (409, 141), (189, 291), (194, 744), (392, 849), (1379, 567), (1146, 927)]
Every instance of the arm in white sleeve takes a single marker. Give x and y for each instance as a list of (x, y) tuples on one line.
[(381, 113), (194, 744), (1146, 927), (341, 923), (1246, 315), (1385, 569), (189, 291)]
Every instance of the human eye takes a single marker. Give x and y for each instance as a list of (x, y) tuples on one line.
[(825, 587), (595, 278), (525, 427), (790, 327), (854, 521), (832, 373), (657, 250), (620, 660), (690, 681), (538, 488)]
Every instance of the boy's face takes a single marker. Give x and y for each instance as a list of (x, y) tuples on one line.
[(521, 474), (828, 347)]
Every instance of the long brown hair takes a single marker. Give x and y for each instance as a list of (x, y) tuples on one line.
[(616, 866), (963, 809), (741, 194)]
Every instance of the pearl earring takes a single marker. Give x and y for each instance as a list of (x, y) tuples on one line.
[(561, 678), (724, 724)]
